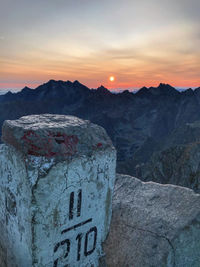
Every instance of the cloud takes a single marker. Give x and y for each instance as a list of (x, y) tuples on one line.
[(140, 42)]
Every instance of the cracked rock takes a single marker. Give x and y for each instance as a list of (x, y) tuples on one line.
[(153, 225), (57, 178)]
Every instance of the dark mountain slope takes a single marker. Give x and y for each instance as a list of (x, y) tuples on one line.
[(138, 124)]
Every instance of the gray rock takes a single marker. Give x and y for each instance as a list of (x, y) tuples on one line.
[(153, 225), (54, 135), (57, 177)]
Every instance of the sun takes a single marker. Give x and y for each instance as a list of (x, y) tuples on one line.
[(112, 78)]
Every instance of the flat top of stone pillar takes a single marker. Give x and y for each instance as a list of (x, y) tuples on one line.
[(53, 135)]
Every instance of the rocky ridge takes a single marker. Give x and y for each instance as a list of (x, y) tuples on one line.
[(139, 124)]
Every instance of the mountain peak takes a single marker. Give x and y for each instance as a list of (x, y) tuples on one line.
[(9, 93), (143, 92), (164, 89), (26, 89), (166, 86), (188, 92), (51, 81), (197, 91), (76, 82), (103, 90), (127, 93)]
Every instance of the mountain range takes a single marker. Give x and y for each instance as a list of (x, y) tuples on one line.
[(142, 125)]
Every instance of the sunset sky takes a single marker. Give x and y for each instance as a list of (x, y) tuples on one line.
[(139, 42)]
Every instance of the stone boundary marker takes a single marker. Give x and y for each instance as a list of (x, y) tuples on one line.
[(57, 177)]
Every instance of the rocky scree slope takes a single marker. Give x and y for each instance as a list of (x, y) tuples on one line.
[(179, 160)]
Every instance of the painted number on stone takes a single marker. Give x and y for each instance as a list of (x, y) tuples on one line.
[(81, 239), (87, 251), (71, 205)]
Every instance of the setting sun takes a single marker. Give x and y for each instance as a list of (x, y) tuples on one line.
[(112, 78)]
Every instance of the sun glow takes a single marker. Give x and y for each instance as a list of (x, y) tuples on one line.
[(112, 78)]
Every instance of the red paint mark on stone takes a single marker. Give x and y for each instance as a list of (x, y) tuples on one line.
[(54, 144), (30, 139), (66, 143), (99, 145)]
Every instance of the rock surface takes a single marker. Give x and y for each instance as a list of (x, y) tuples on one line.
[(57, 177), (179, 161), (153, 225), (178, 165), (54, 135)]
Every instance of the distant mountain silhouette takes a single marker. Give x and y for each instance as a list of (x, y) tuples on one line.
[(138, 124)]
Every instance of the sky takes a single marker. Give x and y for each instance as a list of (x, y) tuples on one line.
[(139, 42)]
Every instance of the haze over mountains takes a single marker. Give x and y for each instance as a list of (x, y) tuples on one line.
[(142, 126)]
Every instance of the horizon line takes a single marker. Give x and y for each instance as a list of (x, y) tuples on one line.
[(113, 90)]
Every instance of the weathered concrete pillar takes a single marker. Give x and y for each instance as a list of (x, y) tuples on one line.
[(57, 176)]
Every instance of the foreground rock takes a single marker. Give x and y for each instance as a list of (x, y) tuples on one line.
[(56, 181), (153, 225)]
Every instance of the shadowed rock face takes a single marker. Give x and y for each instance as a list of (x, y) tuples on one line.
[(179, 160), (153, 225), (138, 124)]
